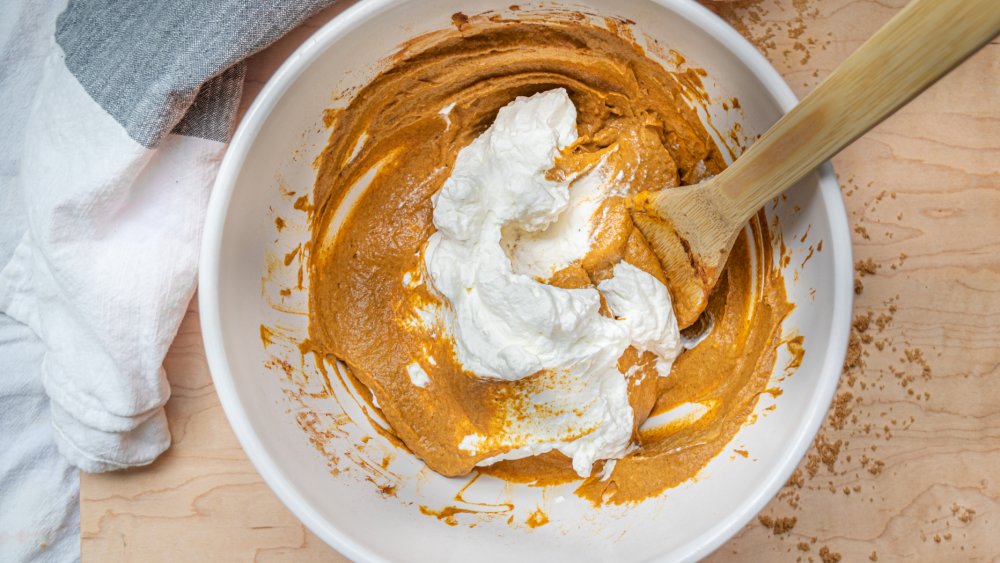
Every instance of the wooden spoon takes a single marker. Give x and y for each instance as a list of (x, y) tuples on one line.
[(693, 228)]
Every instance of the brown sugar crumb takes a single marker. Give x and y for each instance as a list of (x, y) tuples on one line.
[(803, 546), (937, 538), (866, 267), (778, 526), (967, 516), (842, 407), (863, 268), (826, 454), (863, 232), (876, 467), (829, 451), (862, 322), (796, 480), (853, 358), (883, 321), (828, 556), (812, 465), (916, 356), (873, 556)]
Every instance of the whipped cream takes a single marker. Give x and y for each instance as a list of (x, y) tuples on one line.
[(417, 375), (506, 324), (540, 254)]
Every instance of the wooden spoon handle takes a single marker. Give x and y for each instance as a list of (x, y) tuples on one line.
[(919, 45)]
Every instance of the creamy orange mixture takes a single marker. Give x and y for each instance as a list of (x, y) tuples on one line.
[(365, 296)]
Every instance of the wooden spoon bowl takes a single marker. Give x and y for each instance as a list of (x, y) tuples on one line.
[(692, 229)]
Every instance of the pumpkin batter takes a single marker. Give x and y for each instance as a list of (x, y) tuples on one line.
[(369, 305)]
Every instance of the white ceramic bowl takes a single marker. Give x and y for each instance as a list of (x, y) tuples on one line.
[(272, 153)]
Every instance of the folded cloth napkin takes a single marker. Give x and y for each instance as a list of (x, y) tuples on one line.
[(134, 103)]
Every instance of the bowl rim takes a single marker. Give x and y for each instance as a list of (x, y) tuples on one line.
[(358, 14)]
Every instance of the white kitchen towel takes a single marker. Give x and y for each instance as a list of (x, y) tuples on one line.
[(39, 490), (122, 138)]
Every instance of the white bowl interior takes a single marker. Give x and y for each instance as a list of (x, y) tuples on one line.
[(273, 153)]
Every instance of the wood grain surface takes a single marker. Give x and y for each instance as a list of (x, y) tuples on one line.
[(907, 466)]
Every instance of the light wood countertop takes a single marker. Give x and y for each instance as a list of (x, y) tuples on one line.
[(906, 467)]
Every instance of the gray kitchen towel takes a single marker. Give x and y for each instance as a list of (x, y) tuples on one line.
[(117, 128), (146, 63)]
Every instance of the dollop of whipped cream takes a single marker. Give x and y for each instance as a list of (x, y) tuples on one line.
[(507, 325)]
